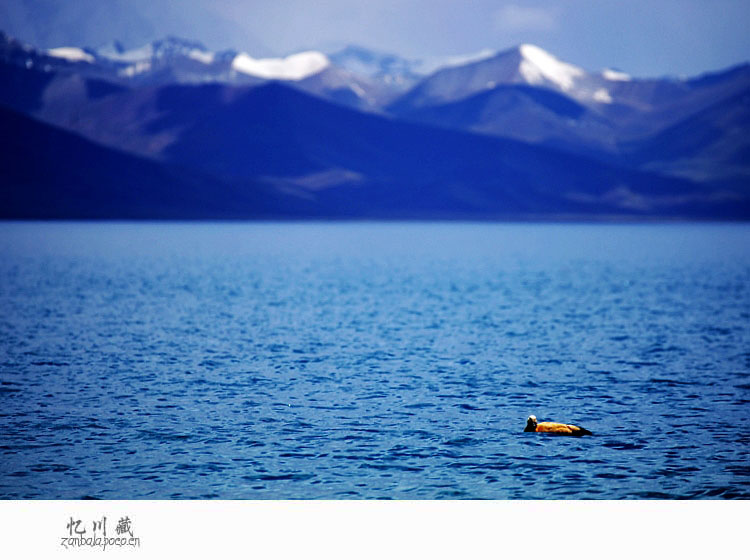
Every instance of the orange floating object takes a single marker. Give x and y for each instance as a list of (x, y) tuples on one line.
[(554, 428)]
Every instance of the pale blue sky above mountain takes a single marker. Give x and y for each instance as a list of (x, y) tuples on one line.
[(641, 37)]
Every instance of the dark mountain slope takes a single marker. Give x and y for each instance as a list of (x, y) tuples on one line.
[(368, 165), (49, 173), (274, 152), (535, 115), (713, 144)]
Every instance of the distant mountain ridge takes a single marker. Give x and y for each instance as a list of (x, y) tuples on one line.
[(510, 135)]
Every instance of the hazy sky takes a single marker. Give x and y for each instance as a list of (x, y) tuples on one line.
[(642, 37)]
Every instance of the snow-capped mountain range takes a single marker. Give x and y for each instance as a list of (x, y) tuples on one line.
[(178, 61), (328, 112), (437, 81), (526, 64), (145, 63), (368, 79), (191, 62)]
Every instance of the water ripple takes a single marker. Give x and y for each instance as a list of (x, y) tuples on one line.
[(353, 361)]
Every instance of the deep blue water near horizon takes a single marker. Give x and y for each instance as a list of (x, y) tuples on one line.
[(370, 360)]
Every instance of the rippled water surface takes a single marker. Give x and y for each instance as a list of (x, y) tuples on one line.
[(373, 360)]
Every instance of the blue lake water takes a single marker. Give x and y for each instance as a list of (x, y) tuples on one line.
[(371, 360)]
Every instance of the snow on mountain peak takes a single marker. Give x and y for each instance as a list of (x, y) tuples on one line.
[(537, 65), (615, 75), (206, 57), (601, 95), (293, 67), (72, 54)]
